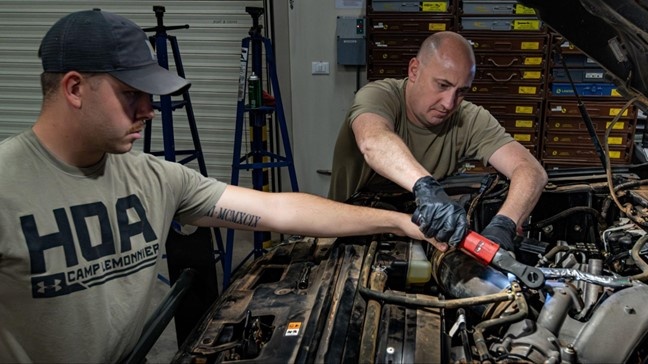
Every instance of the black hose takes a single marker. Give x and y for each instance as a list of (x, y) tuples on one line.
[(420, 301), (567, 212)]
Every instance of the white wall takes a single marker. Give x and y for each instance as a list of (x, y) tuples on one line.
[(318, 102)]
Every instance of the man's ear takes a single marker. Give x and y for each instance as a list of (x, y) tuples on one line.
[(413, 68), (71, 88)]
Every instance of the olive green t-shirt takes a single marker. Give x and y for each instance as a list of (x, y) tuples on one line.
[(471, 132), (80, 248)]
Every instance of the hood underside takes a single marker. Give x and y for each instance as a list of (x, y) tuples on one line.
[(614, 33)]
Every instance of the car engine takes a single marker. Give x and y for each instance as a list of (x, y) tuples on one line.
[(390, 299)]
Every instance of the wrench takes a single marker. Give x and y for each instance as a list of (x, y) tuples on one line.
[(489, 252)]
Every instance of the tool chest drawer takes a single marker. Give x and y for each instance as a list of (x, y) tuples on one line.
[(508, 74), (575, 124), (579, 75), (386, 70), (494, 7), (584, 89), (396, 6), (524, 124), (382, 40), (393, 54), (594, 109), (527, 43), (411, 24), (553, 137), (526, 107), (576, 154), (515, 24), (411, 6), (510, 88), (524, 138), (503, 60)]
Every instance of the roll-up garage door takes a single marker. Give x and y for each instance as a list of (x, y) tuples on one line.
[(210, 50)]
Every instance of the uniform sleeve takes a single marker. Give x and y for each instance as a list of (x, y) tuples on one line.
[(377, 98), (196, 194)]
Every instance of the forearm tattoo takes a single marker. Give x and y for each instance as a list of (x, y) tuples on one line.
[(238, 217)]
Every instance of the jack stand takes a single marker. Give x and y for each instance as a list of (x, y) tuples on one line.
[(262, 159), (166, 105), (195, 251)]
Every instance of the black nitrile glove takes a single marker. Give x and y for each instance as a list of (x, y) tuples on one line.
[(501, 230), (436, 214)]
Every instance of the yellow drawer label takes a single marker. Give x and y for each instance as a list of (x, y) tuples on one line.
[(524, 10), (524, 109), (533, 61), (530, 45), (527, 90), (618, 125), (526, 25), (436, 26), (531, 75), (524, 123), (615, 112), (615, 140), (522, 137), (615, 154), (615, 92), (435, 6)]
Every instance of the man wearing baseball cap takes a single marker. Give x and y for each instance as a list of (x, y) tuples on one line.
[(84, 219)]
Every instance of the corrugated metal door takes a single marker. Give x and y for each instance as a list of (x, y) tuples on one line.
[(210, 49)]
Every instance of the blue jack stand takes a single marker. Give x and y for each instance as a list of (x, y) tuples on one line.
[(195, 251), (166, 105), (259, 158)]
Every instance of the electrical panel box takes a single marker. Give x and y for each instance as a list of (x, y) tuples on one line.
[(351, 41)]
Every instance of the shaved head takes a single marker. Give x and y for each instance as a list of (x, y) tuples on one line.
[(446, 42)]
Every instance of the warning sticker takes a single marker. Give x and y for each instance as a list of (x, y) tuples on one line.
[(293, 329)]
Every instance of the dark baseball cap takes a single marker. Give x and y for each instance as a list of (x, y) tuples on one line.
[(96, 41)]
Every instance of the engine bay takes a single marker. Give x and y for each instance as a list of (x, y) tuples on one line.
[(386, 298)]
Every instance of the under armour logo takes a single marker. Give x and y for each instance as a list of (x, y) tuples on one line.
[(49, 286), (56, 286)]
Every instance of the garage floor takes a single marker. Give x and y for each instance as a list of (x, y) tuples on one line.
[(166, 347)]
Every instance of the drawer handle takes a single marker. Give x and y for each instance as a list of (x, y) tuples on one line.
[(500, 80), (514, 60)]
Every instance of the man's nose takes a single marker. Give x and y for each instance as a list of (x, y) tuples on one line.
[(145, 107), (449, 99)]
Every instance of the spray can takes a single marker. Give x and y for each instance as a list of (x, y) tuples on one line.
[(254, 91)]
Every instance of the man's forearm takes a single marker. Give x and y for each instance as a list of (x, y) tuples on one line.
[(385, 152), (526, 186), (390, 157), (302, 214)]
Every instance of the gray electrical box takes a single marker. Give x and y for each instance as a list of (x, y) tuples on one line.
[(351, 41)]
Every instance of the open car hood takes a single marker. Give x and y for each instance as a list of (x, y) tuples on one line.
[(614, 33)]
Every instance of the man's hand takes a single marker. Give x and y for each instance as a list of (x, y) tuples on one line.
[(436, 214), (501, 230)]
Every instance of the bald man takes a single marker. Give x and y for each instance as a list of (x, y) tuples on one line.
[(415, 131)]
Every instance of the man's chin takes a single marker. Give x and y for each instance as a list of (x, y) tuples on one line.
[(435, 121), (124, 148)]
